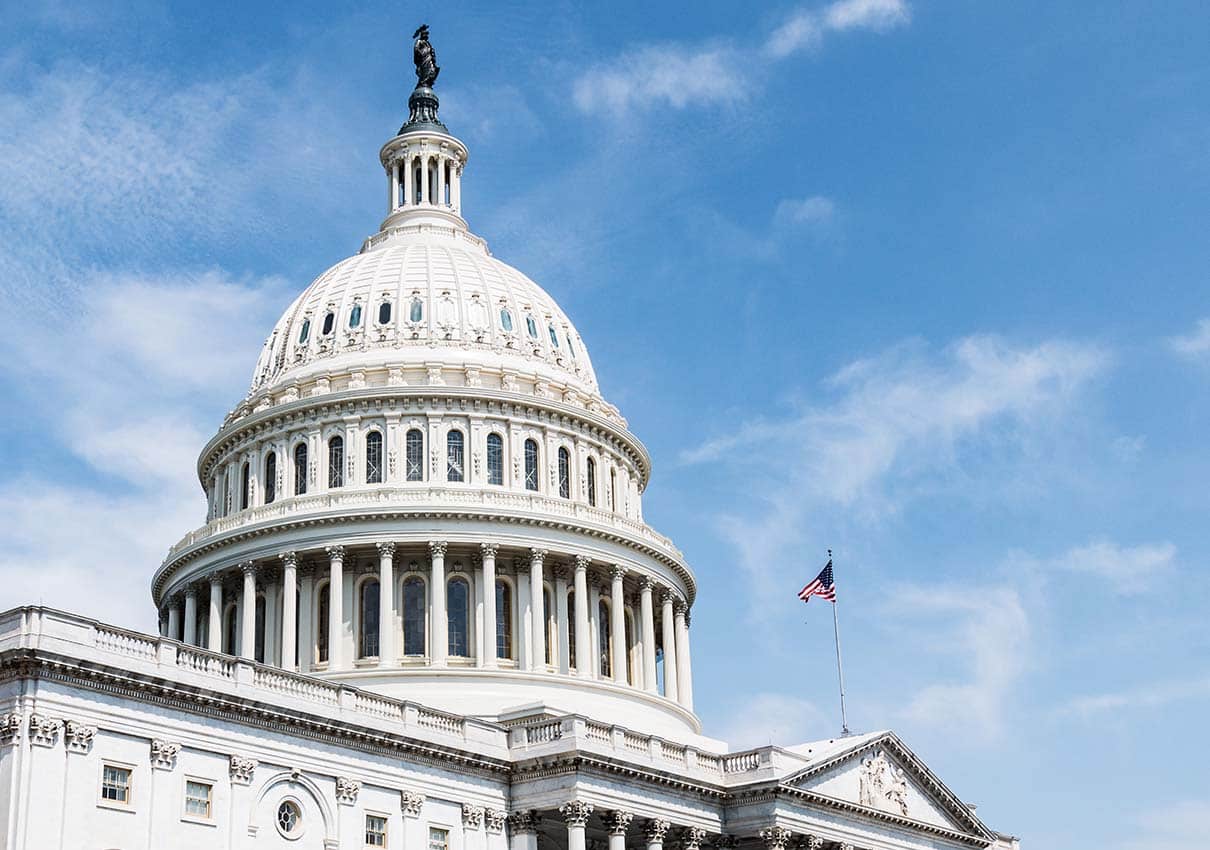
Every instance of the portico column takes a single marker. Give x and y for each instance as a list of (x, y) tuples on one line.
[(691, 838), (654, 832), (523, 829), (487, 578), (684, 675), (191, 615), (670, 682), (247, 647), (617, 822), (537, 609), (564, 661), (289, 610), (583, 638), (440, 626), (336, 614), (174, 618), (617, 623), (214, 631), (647, 615), (576, 816), (386, 605)]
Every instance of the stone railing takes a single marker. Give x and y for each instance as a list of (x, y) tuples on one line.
[(421, 496), (192, 668)]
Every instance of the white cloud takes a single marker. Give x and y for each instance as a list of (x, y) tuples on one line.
[(814, 210), (806, 28), (1153, 695), (1196, 343), (988, 629), (1130, 570), (1178, 826), (663, 75), (772, 718)]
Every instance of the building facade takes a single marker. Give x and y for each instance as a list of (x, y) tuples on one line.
[(425, 610)]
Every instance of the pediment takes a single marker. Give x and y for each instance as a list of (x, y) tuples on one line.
[(884, 777)]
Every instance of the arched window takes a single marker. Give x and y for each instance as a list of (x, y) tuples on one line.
[(453, 455), (245, 483), (564, 473), (336, 462), (367, 609), (457, 600), (300, 469), (305, 332), (415, 455), (604, 626), (495, 459), (259, 647), (571, 630), (384, 313), (329, 323), (355, 316), (613, 489), (547, 619), (554, 336), (374, 457), (531, 465), (592, 482), (531, 326), (270, 478), (504, 619), (416, 310), (322, 607), (231, 630), (413, 616)]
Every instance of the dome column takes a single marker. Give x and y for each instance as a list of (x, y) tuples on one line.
[(336, 616), (683, 684), (190, 635), (409, 185), (214, 631), (487, 578), (440, 626), (386, 605), (247, 647), (394, 204), (617, 623), (537, 610), (289, 610), (174, 619), (647, 615), (425, 198), (583, 637), (564, 661), (670, 665), (439, 161)]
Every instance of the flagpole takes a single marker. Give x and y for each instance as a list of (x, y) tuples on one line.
[(844, 719)]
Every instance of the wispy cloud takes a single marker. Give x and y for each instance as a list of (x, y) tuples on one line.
[(1177, 826), (773, 718), (677, 75), (811, 211), (1152, 695), (1129, 570), (1194, 344)]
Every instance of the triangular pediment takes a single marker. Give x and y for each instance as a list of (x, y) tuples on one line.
[(882, 776)]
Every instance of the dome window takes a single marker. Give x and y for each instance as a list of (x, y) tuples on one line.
[(416, 312), (554, 335), (571, 346), (305, 332), (506, 320), (355, 316), (531, 326), (384, 313), (329, 323)]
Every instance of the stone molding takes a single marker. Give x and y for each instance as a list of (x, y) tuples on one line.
[(10, 728), (43, 730), (79, 736), (411, 803), (347, 790), (164, 753), (494, 819), (240, 769), (472, 816)]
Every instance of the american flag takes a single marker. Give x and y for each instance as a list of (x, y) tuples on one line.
[(823, 586)]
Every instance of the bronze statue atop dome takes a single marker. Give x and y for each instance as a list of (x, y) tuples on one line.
[(425, 57)]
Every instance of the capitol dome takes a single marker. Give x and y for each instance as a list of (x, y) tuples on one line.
[(425, 494)]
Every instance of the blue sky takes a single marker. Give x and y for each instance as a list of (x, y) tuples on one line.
[(925, 283)]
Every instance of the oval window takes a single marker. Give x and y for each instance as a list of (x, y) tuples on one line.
[(289, 818), (554, 337), (329, 322), (417, 310), (531, 326), (384, 312), (355, 316), (506, 319), (305, 332)]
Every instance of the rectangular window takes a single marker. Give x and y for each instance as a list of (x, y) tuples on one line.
[(439, 839), (415, 455), (198, 797), (376, 831), (115, 784)]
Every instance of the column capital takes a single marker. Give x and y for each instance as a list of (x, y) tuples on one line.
[(523, 822), (472, 816), (654, 830), (726, 842), (410, 803), (667, 597), (191, 590), (437, 548), (813, 842), (776, 837), (646, 584), (582, 562), (681, 607), (335, 553), (617, 572), (691, 838), (617, 821), (576, 813), (289, 559), (537, 556), (216, 578), (489, 550), (248, 568), (386, 549)]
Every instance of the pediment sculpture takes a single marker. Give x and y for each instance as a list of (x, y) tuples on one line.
[(883, 784)]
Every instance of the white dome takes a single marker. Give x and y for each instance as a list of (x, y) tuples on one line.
[(443, 297)]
